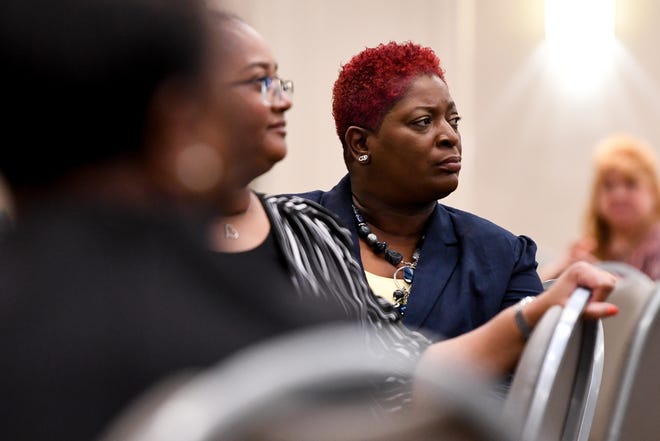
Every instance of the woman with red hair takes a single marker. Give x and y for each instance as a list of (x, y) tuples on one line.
[(445, 270), (290, 245)]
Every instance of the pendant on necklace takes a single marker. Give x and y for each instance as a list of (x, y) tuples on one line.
[(408, 273), (231, 232), (402, 292)]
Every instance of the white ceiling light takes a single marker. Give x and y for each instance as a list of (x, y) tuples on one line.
[(579, 38)]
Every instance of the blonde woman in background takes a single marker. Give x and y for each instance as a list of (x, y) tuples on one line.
[(622, 221)]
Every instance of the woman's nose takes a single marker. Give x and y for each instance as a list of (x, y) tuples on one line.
[(282, 101), (447, 136)]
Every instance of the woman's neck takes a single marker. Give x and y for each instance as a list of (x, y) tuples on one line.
[(386, 219), (401, 229), (235, 203), (240, 231), (623, 241)]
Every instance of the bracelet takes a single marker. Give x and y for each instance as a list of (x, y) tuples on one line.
[(523, 326)]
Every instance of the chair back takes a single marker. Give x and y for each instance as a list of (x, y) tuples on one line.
[(626, 407), (555, 386)]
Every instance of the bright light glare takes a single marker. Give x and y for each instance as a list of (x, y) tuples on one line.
[(586, 21), (579, 38)]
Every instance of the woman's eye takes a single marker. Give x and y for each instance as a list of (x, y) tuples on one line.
[(454, 121), (262, 80), (422, 122)]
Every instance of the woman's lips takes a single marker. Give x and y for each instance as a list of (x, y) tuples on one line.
[(279, 127), (451, 165)]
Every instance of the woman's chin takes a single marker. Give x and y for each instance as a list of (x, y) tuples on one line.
[(276, 153), (447, 188)]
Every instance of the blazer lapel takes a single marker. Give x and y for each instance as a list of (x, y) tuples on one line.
[(439, 257)]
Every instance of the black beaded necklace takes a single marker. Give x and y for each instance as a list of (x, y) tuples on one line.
[(395, 258)]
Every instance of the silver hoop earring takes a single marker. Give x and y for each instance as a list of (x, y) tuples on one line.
[(363, 159)]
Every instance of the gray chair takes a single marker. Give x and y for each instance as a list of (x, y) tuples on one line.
[(555, 386), (313, 386), (627, 408)]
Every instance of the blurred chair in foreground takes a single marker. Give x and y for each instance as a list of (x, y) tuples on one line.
[(627, 407), (555, 387), (314, 386)]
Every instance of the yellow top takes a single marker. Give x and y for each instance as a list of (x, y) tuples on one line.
[(384, 286)]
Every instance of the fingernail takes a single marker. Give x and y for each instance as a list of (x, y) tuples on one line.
[(612, 310)]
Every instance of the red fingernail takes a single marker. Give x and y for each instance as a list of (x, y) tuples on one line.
[(612, 310)]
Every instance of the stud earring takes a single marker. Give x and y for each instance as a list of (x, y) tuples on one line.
[(363, 159)]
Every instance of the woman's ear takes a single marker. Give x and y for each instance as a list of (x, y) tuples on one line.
[(356, 144)]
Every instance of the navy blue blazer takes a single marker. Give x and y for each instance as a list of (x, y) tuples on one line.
[(469, 268)]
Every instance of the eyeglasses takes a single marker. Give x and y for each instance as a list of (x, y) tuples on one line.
[(271, 88)]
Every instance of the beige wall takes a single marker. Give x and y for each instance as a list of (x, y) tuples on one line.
[(526, 142)]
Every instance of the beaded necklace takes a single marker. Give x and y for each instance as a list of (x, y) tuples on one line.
[(395, 259)]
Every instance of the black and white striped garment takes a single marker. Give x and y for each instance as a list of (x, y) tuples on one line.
[(317, 249)]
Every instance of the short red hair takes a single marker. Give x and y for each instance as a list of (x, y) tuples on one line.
[(375, 79)]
